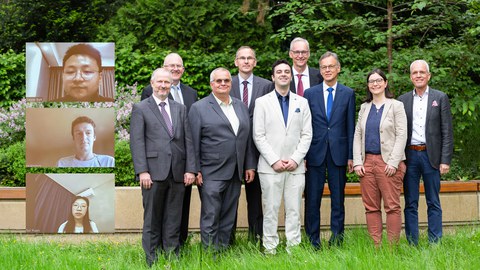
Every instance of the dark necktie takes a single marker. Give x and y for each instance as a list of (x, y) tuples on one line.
[(329, 102), (166, 118), (300, 85), (245, 93), (285, 109)]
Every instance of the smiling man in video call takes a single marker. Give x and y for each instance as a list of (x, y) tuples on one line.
[(82, 75), (83, 133)]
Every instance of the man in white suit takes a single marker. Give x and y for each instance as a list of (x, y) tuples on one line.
[(282, 132)]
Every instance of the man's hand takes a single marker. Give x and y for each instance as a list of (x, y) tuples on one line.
[(278, 166), (290, 165), (249, 175), (199, 179), (444, 168), (188, 178), (350, 165), (145, 180), (390, 170)]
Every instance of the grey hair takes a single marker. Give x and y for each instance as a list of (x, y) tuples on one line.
[(328, 54), (298, 39), (161, 70), (219, 69), (420, 61)]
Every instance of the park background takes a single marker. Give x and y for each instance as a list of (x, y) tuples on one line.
[(206, 33)]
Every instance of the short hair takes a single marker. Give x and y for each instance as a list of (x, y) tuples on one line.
[(161, 70), (219, 69), (82, 119), (172, 54), (245, 47), (422, 62), (378, 71), (278, 62), (85, 49), (299, 39), (328, 54)]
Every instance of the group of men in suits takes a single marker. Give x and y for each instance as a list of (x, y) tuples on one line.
[(299, 138)]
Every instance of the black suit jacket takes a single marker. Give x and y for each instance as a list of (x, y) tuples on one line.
[(188, 93), (438, 126), (259, 88)]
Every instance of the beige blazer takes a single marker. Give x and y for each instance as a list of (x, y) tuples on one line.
[(393, 133), (276, 141)]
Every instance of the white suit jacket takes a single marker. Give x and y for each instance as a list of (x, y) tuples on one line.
[(393, 133), (276, 141)]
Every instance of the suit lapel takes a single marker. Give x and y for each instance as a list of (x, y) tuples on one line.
[(175, 115), (431, 98), (386, 107), (218, 110), (275, 105), (321, 101)]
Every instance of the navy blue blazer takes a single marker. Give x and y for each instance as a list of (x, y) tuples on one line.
[(337, 134)]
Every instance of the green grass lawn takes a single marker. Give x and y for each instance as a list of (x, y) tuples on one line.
[(459, 249)]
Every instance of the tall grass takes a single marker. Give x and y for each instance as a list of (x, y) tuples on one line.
[(459, 249)]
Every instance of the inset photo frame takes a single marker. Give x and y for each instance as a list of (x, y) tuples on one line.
[(70, 72), (70, 137), (70, 203)]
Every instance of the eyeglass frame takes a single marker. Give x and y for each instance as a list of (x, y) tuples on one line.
[(296, 53), (70, 75)]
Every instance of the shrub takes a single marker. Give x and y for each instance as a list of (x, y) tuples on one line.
[(12, 78)]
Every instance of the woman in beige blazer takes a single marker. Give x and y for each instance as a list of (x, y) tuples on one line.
[(378, 155)]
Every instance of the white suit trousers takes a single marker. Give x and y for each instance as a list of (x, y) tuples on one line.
[(274, 187)]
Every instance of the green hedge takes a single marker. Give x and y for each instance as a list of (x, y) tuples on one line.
[(12, 78)]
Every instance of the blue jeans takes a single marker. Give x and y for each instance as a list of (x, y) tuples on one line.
[(418, 165)]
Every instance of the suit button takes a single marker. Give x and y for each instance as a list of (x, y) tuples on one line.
[(381, 131), (381, 142)]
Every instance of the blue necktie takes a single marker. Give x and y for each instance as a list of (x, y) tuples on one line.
[(285, 109), (329, 102)]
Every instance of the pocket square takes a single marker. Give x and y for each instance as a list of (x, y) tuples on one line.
[(297, 110), (434, 103)]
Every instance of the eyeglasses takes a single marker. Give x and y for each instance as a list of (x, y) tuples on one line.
[(300, 52), (85, 74), (330, 67), (220, 81), (243, 58), (173, 66), (378, 81)]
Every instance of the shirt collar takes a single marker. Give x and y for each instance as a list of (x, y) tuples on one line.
[(414, 92), (304, 73), (280, 96), (249, 79), (325, 86), (221, 102), (157, 100)]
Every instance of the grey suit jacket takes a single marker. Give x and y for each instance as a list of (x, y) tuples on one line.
[(217, 149), (438, 126), (259, 88), (188, 93), (153, 150)]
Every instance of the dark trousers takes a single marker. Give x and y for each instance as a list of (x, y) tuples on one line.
[(218, 211), (161, 218), (418, 165), (185, 215), (314, 185), (253, 193)]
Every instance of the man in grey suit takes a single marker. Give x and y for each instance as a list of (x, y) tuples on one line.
[(185, 95), (304, 76), (223, 149), (164, 162), (429, 150), (248, 87)]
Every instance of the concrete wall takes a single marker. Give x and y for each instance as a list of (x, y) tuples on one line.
[(460, 206)]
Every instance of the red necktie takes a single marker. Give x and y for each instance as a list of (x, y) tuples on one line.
[(245, 93), (300, 85)]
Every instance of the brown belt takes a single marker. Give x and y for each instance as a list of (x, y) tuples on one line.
[(421, 147)]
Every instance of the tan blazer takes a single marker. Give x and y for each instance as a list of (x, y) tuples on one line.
[(393, 133)]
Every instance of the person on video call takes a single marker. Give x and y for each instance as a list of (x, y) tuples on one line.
[(83, 133), (79, 218), (82, 75)]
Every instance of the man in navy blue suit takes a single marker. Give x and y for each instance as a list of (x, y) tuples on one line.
[(333, 120)]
